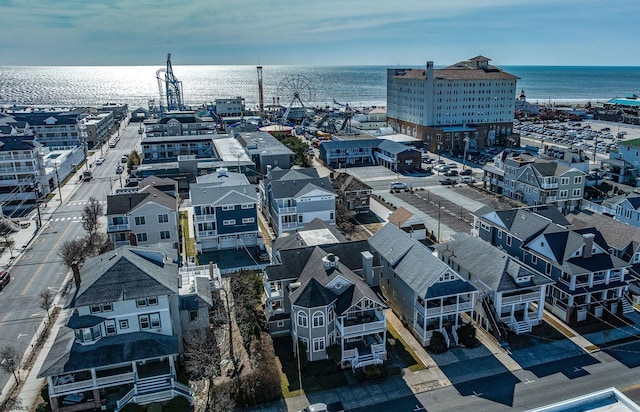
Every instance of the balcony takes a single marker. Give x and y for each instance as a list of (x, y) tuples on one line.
[(118, 228), (74, 387), (548, 185), (287, 210), (351, 327), (274, 294), (288, 225), (551, 198), (444, 310), (207, 234), (525, 297), (200, 218)]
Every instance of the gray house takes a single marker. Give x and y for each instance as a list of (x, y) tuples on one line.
[(290, 199), (509, 293), (628, 210), (429, 295)]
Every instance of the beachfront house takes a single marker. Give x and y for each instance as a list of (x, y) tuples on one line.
[(429, 295)]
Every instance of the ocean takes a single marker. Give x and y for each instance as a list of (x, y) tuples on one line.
[(360, 86)]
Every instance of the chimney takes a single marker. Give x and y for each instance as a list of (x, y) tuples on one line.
[(367, 269), (588, 244)]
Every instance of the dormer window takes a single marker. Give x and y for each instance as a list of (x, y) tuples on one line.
[(103, 307), (88, 335), (148, 301)]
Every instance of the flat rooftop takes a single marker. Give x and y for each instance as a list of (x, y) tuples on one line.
[(609, 400)]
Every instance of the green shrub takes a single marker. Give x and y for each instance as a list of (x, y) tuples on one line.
[(467, 336), (370, 372), (43, 407), (154, 407), (178, 404), (334, 353), (437, 344)]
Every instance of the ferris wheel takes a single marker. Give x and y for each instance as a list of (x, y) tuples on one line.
[(295, 89)]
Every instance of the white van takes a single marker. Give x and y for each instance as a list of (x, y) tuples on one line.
[(397, 185), (467, 179)]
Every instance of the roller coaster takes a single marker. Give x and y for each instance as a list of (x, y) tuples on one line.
[(169, 88)]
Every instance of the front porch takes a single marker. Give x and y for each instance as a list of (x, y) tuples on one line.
[(441, 314), (364, 351)]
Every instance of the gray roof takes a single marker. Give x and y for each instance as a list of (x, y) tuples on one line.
[(223, 177), (488, 267), (617, 234), (68, 356), (316, 232), (395, 147), (178, 139), (205, 194), (124, 203), (411, 260), (263, 143), (296, 182), (125, 273), (521, 223)]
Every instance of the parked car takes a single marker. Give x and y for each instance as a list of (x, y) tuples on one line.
[(467, 179), (124, 158), (323, 407), (100, 161), (397, 185), (5, 278), (466, 172), (451, 172), (119, 169), (112, 144), (262, 254), (447, 181)]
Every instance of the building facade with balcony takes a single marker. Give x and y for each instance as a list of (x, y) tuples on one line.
[(588, 279), (353, 193), (628, 210), (53, 128), (364, 152), (122, 336), (509, 293), (292, 198), (179, 124), (535, 180), (225, 211), (426, 292), (143, 217), (315, 295), (468, 100)]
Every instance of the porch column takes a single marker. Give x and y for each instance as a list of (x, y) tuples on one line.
[(588, 298), (591, 275), (498, 303), (541, 302), (570, 301), (172, 367), (572, 284), (607, 276), (620, 291), (94, 379)]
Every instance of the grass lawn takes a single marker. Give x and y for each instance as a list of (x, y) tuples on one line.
[(540, 334), (316, 376), (190, 242), (403, 351)]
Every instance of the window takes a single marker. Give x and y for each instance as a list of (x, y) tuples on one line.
[(104, 307), (280, 323), (318, 319), (107, 307), (330, 215), (564, 180), (247, 206), (302, 319), (299, 218), (141, 237), (110, 326), (193, 315), (149, 321), (305, 343), (163, 218), (484, 226), (124, 324), (165, 234), (577, 180), (534, 259), (229, 222), (228, 208), (139, 220), (141, 302), (508, 240), (318, 344), (547, 268), (577, 192), (248, 220), (499, 234), (144, 322), (152, 300), (563, 193), (95, 309)]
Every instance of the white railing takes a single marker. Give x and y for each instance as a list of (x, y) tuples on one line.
[(73, 386), (274, 294), (121, 378), (349, 354), (455, 335), (551, 198), (287, 210), (125, 399), (203, 234), (204, 217), (441, 310), (114, 228), (361, 328), (289, 225), (182, 387), (153, 397), (520, 298), (378, 348), (549, 185), (446, 336)]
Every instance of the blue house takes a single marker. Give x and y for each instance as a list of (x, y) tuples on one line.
[(628, 210), (225, 212)]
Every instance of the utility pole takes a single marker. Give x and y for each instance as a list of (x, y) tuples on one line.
[(58, 180), (439, 209)]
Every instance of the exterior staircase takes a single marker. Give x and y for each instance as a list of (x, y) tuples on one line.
[(523, 326), (497, 327), (627, 306)]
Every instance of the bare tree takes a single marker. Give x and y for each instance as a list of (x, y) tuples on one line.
[(7, 236), (91, 215), (73, 254), (202, 359), (46, 300), (10, 361)]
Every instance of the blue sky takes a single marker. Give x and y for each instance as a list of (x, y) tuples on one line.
[(319, 32)]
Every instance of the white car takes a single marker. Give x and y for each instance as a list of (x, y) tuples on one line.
[(467, 179), (100, 161), (397, 185)]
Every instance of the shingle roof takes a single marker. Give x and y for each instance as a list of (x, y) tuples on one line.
[(67, 356), (289, 188), (411, 260), (203, 194), (312, 295), (616, 234), (125, 273), (316, 232), (124, 203)]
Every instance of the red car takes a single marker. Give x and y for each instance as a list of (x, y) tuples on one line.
[(5, 278)]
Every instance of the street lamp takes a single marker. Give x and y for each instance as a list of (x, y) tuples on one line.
[(36, 200), (82, 128)]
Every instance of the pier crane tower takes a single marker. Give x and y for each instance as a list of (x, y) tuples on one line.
[(169, 88)]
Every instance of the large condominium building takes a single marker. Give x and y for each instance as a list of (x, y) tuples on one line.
[(468, 100)]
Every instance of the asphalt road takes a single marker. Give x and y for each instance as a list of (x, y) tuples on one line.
[(39, 267)]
